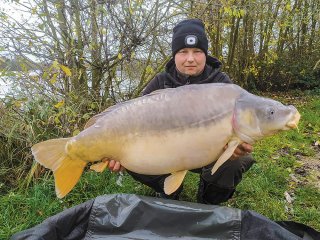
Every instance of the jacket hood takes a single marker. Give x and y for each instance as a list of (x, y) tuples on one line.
[(175, 79)]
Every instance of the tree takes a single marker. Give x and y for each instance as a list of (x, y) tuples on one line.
[(264, 44), (86, 47)]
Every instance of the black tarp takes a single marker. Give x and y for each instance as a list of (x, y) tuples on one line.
[(127, 216)]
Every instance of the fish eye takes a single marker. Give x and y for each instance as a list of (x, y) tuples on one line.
[(271, 111)]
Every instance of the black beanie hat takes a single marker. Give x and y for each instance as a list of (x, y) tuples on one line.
[(189, 33)]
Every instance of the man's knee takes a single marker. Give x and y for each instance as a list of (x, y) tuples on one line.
[(230, 173), (240, 165), (219, 187)]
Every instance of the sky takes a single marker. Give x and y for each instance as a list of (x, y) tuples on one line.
[(10, 8)]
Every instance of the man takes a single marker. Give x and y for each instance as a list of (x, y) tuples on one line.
[(191, 65)]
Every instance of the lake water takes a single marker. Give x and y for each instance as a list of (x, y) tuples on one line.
[(4, 87)]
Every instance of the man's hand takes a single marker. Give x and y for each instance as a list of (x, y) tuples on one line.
[(241, 150), (115, 166)]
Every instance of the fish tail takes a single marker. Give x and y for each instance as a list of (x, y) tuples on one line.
[(67, 171)]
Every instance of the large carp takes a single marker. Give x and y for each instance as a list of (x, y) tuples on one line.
[(167, 131)]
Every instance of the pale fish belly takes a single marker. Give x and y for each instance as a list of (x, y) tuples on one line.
[(173, 151)]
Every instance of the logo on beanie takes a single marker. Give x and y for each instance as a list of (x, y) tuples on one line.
[(191, 40)]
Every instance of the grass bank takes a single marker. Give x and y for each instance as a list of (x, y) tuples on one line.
[(282, 185)]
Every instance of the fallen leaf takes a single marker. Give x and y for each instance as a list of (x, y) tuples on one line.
[(119, 179), (289, 199)]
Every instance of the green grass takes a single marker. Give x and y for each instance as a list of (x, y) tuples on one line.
[(262, 188)]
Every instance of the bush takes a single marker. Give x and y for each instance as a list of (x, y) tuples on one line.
[(288, 72), (24, 122)]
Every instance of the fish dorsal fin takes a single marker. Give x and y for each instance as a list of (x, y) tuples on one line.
[(156, 92), (92, 121), (232, 145), (95, 118), (173, 182)]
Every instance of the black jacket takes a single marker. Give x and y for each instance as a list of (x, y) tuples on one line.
[(171, 78)]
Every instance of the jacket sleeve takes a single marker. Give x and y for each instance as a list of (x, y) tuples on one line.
[(223, 78), (153, 85)]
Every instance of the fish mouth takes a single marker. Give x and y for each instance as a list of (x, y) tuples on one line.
[(294, 122)]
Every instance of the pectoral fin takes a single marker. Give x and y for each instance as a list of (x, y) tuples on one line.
[(99, 167), (232, 145), (173, 182)]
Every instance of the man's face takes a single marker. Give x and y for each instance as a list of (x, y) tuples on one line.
[(190, 61)]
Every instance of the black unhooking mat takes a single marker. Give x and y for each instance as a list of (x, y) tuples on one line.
[(126, 216)]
